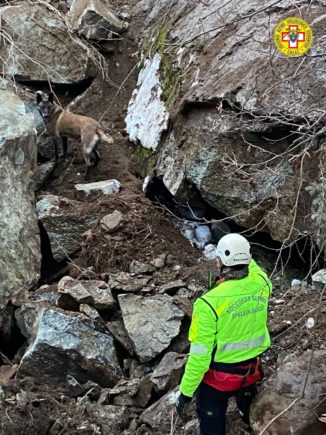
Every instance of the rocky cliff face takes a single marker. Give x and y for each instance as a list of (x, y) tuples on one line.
[(246, 123), (20, 255)]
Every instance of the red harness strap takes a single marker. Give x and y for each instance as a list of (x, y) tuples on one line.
[(223, 381)]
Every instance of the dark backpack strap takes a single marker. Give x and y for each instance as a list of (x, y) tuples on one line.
[(267, 283), (216, 318), (211, 307)]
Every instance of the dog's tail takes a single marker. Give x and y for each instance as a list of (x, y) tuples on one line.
[(103, 136)]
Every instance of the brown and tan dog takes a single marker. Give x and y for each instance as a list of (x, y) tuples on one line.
[(62, 124)]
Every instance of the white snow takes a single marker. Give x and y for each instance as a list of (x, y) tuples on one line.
[(147, 116)]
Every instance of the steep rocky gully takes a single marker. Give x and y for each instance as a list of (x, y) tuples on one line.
[(97, 282)]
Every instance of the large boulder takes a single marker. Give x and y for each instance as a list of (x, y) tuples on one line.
[(95, 19), (65, 222), (66, 343), (286, 385), (168, 373), (151, 322), (91, 292), (55, 54), (30, 306), (240, 111), (20, 255)]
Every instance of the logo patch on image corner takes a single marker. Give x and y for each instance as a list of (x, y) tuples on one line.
[(293, 37)]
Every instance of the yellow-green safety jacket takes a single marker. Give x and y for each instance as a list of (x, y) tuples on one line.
[(230, 319)]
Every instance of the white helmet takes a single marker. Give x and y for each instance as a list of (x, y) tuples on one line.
[(233, 249)]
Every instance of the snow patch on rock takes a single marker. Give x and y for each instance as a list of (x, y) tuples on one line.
[(147, 116)]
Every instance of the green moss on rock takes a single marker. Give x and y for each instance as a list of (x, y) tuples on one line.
[(170, 75), (145, 159)]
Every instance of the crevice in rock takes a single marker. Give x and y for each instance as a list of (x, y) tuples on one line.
[(226, 104), (51, 270), (122, 354), (65, 92), (11, 339), (191, 207), (188, 106)]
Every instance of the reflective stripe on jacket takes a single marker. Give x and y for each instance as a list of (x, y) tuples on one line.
[(230, 319)]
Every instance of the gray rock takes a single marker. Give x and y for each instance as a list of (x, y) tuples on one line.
[(209, 143), (58, 56), (139, 268), (134, 392), (112, 222), (151, 322), (45, 145), (64, 222), (89, 311), (19, 297), (282, 388), (184, 303), (74, 387), (26, 316), (91, 292), (168, 373), (111, 418), (118, 331), (159, 262), (172, 287), (99, 188), (127, 283), (20, 256), (42, 174), (61, 345), (95, 20), (84, 102), (158, 415), (29, 309), (319, 276), (7, 85)]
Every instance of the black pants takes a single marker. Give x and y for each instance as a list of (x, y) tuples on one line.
[(212, 405)]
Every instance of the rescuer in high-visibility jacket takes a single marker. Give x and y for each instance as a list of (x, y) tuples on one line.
[(228, 333)]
